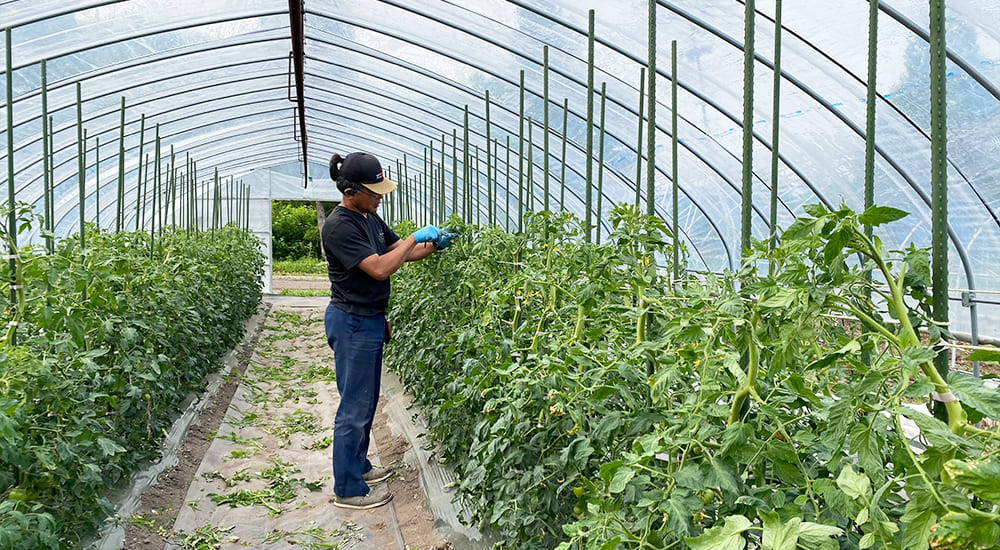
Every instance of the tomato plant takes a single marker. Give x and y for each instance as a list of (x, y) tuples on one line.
[(587, 401), (108, 344)]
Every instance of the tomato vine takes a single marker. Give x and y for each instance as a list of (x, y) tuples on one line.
[(586, 400), (94, 382)]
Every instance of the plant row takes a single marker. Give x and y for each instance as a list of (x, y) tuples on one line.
[(108, 341), (586, 400)]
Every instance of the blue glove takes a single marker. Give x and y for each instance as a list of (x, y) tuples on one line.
[(444, 240), (426, 234)]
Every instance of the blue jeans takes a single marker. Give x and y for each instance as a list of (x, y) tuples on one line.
[(357, 343)]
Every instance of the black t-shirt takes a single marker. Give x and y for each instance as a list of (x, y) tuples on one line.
[(348, 238)]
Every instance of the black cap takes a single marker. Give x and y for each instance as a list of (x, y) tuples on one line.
[(365, 169)]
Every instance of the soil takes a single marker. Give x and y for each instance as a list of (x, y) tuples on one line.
[(160, 504)]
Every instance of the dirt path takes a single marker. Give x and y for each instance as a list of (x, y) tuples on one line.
[(280, 413)]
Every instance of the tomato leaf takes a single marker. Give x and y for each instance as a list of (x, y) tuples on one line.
[(878, 215), (972, 392), (982, 477), (722, 537), (778, 534), (855, 485), (986, 355)]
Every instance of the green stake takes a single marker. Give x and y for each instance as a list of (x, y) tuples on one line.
[(562, 172), (589, 194), (675, 186), (545, 124), (638, 147), (120, 209), (600, 162), (748, 51)]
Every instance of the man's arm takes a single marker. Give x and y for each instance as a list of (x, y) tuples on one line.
[(421, 251), (380, 267)]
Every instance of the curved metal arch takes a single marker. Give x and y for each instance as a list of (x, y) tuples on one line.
[(698, 22), (162, 136), (111, 111), (70, 144), (60, 13), (570, 78), (694, 92), (159, 57), (962, 253), (71, 208), (952, 56), (576, 145), (93, 116), (574, 194), (892, 105), (129, 203), (137, 35), (796, 83)]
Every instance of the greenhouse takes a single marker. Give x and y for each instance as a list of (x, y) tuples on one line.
[(706, 274)]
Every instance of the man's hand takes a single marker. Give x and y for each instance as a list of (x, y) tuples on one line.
[(426, 234), (444, 240)]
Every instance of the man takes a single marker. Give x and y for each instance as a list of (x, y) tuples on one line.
[(361, 253)]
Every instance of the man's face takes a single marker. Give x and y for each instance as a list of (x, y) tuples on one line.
[(369, 199)]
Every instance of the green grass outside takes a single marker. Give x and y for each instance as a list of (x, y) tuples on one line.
[(302, 266), (303, 292)]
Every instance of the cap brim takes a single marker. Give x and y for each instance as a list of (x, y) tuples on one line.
[(381, 187)]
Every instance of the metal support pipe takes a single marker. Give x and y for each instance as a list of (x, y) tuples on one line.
[(775, 123), (748, 59), (638, 140), (474, 199), (466, 209), (520, 160), (120, 207), (675, 187), (81, 158), (600, 161), (97, 181), (156, 191), (454, 171), (545, 125), (138, 172), (489, 161), (441, 183), (12, 214), (939, 179), (47, 222), (530, 181), (562, 169), (651, 124), (296, 15), (588, 193), (506, 194)]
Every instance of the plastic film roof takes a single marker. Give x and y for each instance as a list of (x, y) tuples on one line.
[(394, 76)]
